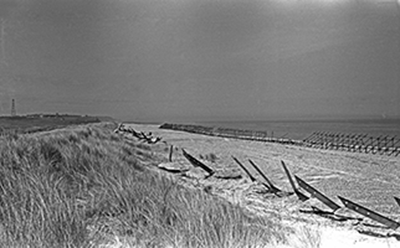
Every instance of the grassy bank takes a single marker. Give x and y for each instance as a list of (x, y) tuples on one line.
[(31, 124), (88, 187)]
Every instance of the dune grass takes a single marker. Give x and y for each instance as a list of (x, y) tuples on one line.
[(88, 187)]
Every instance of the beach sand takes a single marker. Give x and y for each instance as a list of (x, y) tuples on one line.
[(369, 180)]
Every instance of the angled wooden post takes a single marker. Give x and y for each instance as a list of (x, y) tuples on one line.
[(397, 200), (324, 199), (370, 214), (171, 150), (272, 187), (244, 168), (300, 195), (197, 163)]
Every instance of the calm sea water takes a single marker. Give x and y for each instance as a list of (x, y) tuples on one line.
[(301, 129)]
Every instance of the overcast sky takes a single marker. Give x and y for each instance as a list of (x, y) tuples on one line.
[(165, 60)]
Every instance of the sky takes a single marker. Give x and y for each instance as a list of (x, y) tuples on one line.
[(193, 60)]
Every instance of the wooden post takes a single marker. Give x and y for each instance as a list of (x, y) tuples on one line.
[(171, 150)]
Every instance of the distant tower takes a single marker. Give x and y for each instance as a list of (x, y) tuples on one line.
[(13, 111)]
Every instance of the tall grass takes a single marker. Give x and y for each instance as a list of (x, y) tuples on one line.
[(88, 187)]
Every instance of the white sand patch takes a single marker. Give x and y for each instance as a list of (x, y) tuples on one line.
[(329, 237), (334, 238)]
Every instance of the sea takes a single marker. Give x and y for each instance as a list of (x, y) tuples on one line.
[(301, 129)]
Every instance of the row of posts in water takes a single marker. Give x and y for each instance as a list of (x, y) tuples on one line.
[(364, 143), (230, 133)]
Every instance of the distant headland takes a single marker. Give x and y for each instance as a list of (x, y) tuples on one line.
[(41, 122)]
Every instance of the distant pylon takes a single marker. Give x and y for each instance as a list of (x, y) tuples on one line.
[(13, 111)]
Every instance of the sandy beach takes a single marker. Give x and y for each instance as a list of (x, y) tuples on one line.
[(370, 180)]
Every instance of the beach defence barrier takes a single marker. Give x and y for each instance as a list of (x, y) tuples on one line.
[(148, 138), (364, 227), (300, 195), (262, 136), (269, 185), (364, 143), (370, 214), (197, 163), (389, 223), (252, 178), (397, 200), (272, 187), (313, 193)]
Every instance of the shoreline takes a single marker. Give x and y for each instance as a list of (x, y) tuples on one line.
[(353, 175), (362, 143)]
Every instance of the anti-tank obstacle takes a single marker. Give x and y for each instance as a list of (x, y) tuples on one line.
[(245, 169), (315, 193), (392, 224), (320, 139), (300, 195), (261, 136), (397, 200), (363, 143), (370, 214), (273, 188), (148, 138), (269, 185), (197, 163)]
